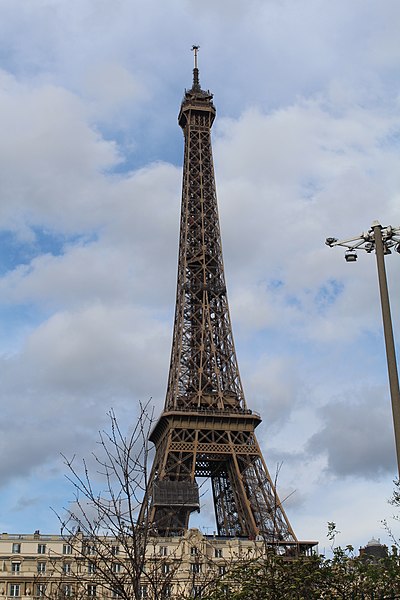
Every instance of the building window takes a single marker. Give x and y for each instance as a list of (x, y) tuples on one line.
[(16, 548), (195, 568), (91, 591), (168, 591), (196, 591), (218, 553), (41, 567), (114, 550), (66, 568), (194, 551), (163, 551), (165, 568), (222, 569), (90, 550), (40, 590), (15, 567), (15, 590), (67, 590), (116, 567), (67, 549), (144, 591), (91, 567), (41, 549)]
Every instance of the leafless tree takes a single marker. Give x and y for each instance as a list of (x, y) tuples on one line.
[(100, 525), (111, 552)]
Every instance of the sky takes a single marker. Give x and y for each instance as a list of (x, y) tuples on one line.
[(306, 145)]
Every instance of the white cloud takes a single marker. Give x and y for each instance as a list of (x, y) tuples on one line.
[(52, 161), (272, 388), (113, 90), (357, 437), (70, 372), (287, 180)]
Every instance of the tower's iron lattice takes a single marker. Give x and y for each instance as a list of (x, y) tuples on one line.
[(206, 429)]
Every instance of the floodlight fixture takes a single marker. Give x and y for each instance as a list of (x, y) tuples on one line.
[(368, 247), (330, 241), (350, 256)]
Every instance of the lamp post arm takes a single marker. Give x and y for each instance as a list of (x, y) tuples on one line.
[(389, 340), (358, 240)]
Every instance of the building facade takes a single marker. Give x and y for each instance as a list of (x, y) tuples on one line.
[(52, 566)]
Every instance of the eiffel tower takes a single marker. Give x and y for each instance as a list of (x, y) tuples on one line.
[(206, 429)]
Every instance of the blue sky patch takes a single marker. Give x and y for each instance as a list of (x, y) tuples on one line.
[(14, 252), (327, 294)]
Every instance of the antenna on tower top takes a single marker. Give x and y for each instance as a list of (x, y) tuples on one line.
[(196, 83), (195, 49)]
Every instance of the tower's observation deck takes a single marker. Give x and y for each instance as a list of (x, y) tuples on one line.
[(206, 428)]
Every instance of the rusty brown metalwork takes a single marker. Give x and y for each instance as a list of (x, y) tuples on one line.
[(206, 429)]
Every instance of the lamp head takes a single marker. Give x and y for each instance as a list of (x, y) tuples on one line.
[(330, 241), (369, 246), (350, 256)]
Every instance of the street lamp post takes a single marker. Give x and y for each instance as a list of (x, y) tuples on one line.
[(381, 239)]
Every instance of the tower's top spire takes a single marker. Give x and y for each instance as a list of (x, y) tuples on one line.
[(196, 84), (195, 98)]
